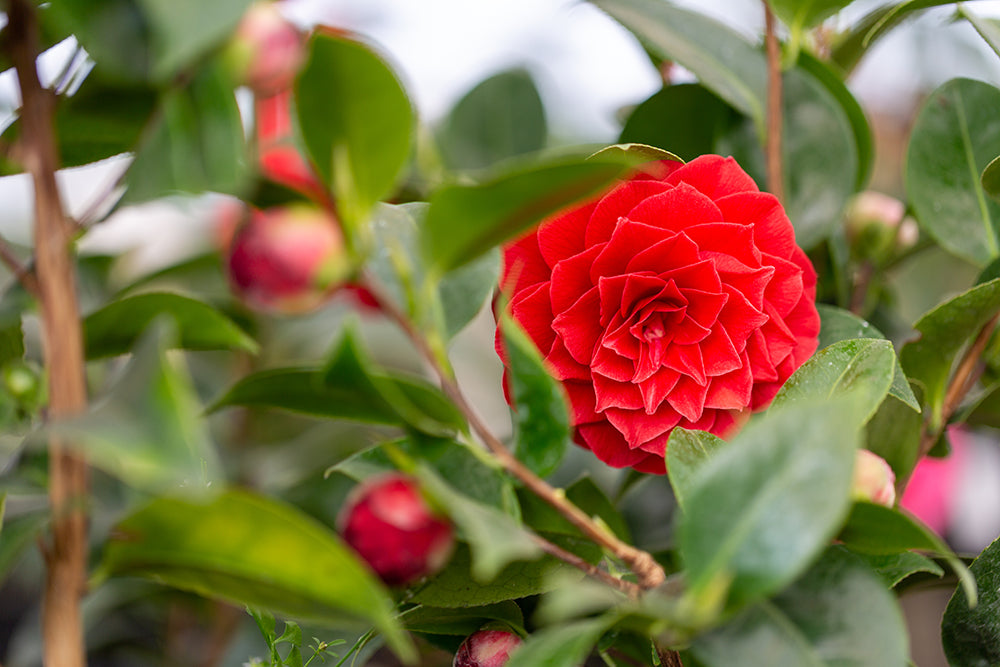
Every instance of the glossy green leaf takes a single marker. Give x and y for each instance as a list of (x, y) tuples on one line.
[(455, 586), (875, 529), (724, 62), (837, 324), (356, 120), (686, 119), (838, 615), (894, 434), (461, 622), (147, 40), (148, 430), (114, 329), (894, 568), (800, 14), (500, 118), (862, 366), (465, 221), (943, 332), (990, 179), (251, 550), (195, 144), (494, 538), (854, 43), (761, 509), (541, 416), (565, 645), (954, 137), (585, 494), (971, 634), (101, 120), (687, 452)]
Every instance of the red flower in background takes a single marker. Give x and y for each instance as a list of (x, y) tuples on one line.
[(676, 300)]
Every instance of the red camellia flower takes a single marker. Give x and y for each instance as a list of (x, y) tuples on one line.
[(679, 299)]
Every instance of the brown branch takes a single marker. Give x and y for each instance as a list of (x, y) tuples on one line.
[(647, 570), (62, 628), (775, 171), (627, 587), (970, 368), (669, 658), (21, 271)]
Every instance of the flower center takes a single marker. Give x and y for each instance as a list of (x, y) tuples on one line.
[(653, 331)]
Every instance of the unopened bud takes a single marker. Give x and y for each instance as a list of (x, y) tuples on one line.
[(486, 648), (267, 50)]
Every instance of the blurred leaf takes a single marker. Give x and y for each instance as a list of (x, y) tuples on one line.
[(566, 645), (838, 324), (971, 634), (860, 366), (987, 29), (195, 144), (875, 529), (834, 83), (838, 615), (148, 430), (114, 329), (458, 464), (465, 221), (397, 265), (500, 118), (853, 44), (11, 343), (356, 121), (455, 586), (894, 434), (251, 550), (894, 568), (761, 509), (494, 538), (461, 622), (800, 14), (541, 416), (687, 452), (686, 119), (724, 62), (954, 137), (585, 494), (943, 332), (18, 535), (990, 180)]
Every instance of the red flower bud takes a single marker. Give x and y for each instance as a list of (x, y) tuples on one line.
[(288, 259), (267, 50), (486, 648), (387, 521), (874, 480)]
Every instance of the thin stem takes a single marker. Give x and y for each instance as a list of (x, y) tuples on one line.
[(627, 587), (966, 375), (62, 342), (21, 271), (669, 658), (647, 570), (775, 171)]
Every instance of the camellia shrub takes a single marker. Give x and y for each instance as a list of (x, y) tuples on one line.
[(709, 431)]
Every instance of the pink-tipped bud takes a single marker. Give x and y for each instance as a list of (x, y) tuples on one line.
[(486, 648), (389, 524), (267, 50), (288, 259), (874, 480)]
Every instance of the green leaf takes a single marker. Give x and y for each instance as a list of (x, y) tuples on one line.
[(18, 535), (686, 119), (990, 179), (541, 416), (801, 14), (585, 494), (862, 366), (838, 324), (943, 332), (687, 452), (196, 143), (500, 118), (971, 633), (356, 120), (838, 615), (114, 329), (101, 120), (254, 551), (465, 221), (724, 62), (988, 30), (894, 568), (456, 587), (954, 137), (762, 508), (494, 537), (874, 529), (461, 622), (565, 645), (148, 430), (894, 434)]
